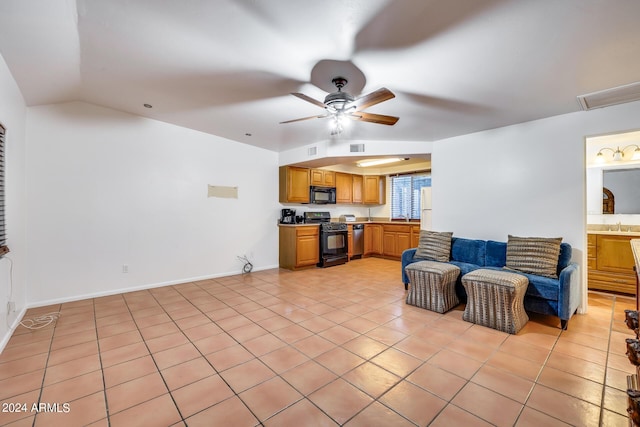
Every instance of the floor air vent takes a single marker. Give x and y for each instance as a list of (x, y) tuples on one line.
[(356, 148), (608, 97)]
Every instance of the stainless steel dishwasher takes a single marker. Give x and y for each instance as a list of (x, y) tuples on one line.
[(358, 241)]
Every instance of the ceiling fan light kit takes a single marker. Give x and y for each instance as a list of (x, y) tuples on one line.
[(341, 105)]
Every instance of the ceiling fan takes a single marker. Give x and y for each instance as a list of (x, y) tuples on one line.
[(341, 105)]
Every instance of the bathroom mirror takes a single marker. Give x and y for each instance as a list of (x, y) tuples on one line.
[(624, 185)]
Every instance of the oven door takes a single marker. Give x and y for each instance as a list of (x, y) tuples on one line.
[(334, 243)]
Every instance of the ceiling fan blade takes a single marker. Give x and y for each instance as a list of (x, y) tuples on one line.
[(309, 99), (375, 118), (321, 116), (373, 98)]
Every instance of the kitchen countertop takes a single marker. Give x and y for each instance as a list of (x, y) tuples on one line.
[(615, 233), (360, 222)]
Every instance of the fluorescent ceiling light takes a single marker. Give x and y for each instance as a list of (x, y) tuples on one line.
[(377, 162)]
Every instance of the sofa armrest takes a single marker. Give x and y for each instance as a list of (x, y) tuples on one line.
[(407, 258), (570, 291)]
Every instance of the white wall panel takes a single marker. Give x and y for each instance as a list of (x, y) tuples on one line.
[(13, 278), (107, 189), (527, 179)]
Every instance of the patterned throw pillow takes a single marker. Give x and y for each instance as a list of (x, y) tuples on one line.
[(434, 245), (535, 255)]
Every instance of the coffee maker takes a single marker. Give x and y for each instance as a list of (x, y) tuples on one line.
[(288, 216)]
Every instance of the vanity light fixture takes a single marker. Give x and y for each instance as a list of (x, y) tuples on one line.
[(378, 162), (618, 153)]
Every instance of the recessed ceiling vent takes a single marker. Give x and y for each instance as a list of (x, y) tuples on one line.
[(608, 97), (356, 148), (312, 151)]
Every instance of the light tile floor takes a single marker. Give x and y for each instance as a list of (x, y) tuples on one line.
[(317, 347)]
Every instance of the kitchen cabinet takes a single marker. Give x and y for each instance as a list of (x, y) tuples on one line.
[(344, 187), (610, 263), (395, 239), (356, 193), (373, 189), (415, 236), (372, 239), (323, 177), (294, 184), (299, 246)]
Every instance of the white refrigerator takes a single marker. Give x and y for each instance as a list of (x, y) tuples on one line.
[(425, 202)]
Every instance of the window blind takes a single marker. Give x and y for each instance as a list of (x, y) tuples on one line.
[(3, 235), (406, 195)]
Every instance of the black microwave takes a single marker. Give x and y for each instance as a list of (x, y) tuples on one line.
[(322, 195)]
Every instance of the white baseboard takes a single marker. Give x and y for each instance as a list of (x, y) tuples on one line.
[(5, 339), (135, 288), (9, 333)]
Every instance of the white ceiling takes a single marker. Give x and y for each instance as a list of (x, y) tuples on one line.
[(226, 67)]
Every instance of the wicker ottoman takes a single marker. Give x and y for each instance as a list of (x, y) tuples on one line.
[(495, 299), (433, 285)]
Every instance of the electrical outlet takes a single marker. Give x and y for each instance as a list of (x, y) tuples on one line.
[(125, 268), (11, 307)]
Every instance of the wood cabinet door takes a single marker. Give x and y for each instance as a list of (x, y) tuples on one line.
[(329, 178), (368, 247), (389, 243), (349, 240), (403, 242), (317, 176), (356, 195), (344, 187), (307, 250), (614, 254), (395, 239), (294, 185), (371, 189), (372, 239), (376, 239), (324, 178)]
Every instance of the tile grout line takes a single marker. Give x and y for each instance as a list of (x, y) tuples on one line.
[(606, 362), (151, 355), (44, 376), (104, 383), (535, 380), (205, 357)]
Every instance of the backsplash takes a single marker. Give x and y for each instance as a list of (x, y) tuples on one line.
[(629, 219)]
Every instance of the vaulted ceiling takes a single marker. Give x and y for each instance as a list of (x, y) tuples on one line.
[(226, 67)]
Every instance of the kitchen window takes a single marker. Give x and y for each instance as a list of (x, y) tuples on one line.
[(406, 193), (3, 235)]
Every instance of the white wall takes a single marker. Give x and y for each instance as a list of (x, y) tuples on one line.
[(12, 280), (106, 188), (527, 179)]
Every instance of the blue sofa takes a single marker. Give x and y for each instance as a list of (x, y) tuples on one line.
[(557, 297)]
